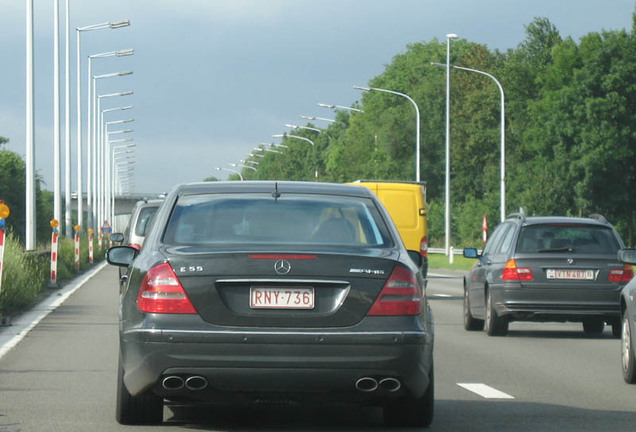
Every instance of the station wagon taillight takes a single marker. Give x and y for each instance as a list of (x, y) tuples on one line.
[(400, 295), (513, 273), (161, 292), (621, 275)]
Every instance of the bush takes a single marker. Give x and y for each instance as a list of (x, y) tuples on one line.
[(26, 274)]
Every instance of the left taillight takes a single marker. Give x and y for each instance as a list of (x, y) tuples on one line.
[(400, 296), (621, 275), (161, 292), (513, 273)]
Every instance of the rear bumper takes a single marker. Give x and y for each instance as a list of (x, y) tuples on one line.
[(302, 362), (555, 304)]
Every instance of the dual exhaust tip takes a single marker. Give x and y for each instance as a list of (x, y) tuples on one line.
[(370, 384), (193, 383)]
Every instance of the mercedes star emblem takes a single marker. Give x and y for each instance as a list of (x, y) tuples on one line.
[(282, 267)]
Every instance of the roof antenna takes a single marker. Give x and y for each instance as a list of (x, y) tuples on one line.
[(275, 193)]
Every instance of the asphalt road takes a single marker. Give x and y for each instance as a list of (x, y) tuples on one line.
[(541, 377)]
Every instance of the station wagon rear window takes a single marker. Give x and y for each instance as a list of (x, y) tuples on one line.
[(575, 238), (223, 219)]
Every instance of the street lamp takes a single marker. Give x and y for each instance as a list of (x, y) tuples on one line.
[(317, 118), (502, 182), (79, 30), (103, 150), (242, 166), (300, 138), (324, 105), (417, 123), (92, 120), (291, 126), (230, 170), (447, 194)]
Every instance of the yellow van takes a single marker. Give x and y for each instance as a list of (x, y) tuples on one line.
[(406, 203)]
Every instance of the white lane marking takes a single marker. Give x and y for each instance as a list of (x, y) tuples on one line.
[(485, 391), (11, 336), (442, 295)]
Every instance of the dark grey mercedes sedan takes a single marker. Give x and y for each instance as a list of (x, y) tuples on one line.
[(300, 292)]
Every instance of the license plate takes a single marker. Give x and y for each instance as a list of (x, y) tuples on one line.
[(570, 274), (281, 298)]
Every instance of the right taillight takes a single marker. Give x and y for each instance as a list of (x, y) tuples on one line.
[(162, 292), (621, 275), (424, 246), (400, 296), (513, 273)]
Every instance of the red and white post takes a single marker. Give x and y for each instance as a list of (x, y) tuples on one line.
[(77, 247), (484, 228), (90, 246), (54, 240)]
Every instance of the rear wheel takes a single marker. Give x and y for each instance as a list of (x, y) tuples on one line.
[(470, 323), (412, 412), (494, 325), (593, 326), (627, 353), (146, 408)]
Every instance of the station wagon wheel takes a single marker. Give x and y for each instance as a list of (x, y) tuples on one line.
[(470, 323), (494, 325), (146, 408), (627, 352)]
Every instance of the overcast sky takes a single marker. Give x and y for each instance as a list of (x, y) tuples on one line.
[(214, 78)]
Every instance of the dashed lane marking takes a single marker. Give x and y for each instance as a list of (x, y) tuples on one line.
[(485, 391)]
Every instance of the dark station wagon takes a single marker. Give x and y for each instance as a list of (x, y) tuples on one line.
[(246, 291), (547, 269)]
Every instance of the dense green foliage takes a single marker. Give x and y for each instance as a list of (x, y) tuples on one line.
[(570, 131)]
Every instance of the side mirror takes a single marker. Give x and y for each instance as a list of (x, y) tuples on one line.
[(416, 257), (470, 253), (628, 256), (117, 237), (121, 256)]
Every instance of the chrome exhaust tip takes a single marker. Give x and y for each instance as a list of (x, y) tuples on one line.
[(172, 383), (196, 383), (390, 384), (367, 384)]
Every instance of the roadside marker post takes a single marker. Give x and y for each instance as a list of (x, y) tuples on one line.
[(77, 247), (4, 213), (54, 239), (90, 246)]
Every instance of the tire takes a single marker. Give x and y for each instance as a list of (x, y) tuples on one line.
[(470, 323), (593, 326), (412, 412), (627, 352), (494, 324), (146, 408)]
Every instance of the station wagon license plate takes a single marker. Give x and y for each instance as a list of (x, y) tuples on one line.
[(281, 298), (570, 274)]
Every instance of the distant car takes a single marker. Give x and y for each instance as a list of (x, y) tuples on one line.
[(628, 318), (279, 291), (546, 269), (140, 219)]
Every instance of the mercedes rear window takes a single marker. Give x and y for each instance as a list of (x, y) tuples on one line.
[(576, 238), (224, 219)]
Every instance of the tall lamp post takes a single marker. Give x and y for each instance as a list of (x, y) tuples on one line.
[(447, 193), (300, 138), (342, 107), (30, 133), (305, 117), (90, 134), (417, 123), (502, 179), (79, 30)]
